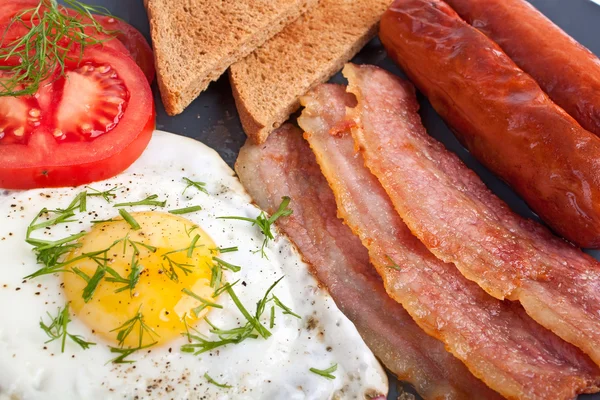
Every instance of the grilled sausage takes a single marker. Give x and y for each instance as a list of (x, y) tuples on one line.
[(566, 70), (500, 114)]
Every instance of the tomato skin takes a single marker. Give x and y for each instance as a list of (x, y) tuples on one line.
[(80, 174), (10, 8), (126, 38), (134, 42), (44, 162)]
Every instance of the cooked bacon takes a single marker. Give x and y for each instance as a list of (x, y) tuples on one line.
[(497, 341), (285, 166), (449, 208)]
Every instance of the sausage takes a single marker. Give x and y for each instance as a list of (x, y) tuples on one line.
[(566, 70), (500, 114)]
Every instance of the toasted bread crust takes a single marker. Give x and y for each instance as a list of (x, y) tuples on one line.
[(194, 42), (267, 84)]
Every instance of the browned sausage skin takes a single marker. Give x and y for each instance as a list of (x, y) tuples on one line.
[(566, 70), (500, 114)]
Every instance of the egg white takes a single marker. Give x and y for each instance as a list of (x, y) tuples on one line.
[(275, 368)]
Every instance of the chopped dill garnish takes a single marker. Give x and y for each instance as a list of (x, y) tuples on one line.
[(265, 223), (223, 250), (107, 195), (125, 330), (204, 303), (212, 381), (57, 329), (185, 210), (54, 37), (253, 329), (198, 185), (225, 265), (148, 201), (325, 373), (129, 219)]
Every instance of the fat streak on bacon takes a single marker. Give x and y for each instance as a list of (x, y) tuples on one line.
[(285, 166), (461, 221), (496, 340)]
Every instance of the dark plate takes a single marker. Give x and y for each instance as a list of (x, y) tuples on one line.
[(213, 119)]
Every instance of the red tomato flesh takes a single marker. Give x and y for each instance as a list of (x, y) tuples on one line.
[(86, 125)]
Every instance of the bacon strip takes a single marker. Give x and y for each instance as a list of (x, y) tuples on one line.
[(497, 341), (454, 214), (285, 165)]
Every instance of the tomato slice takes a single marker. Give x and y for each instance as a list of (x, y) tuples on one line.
[(133, 41), (87, 125), (10, 8), (124, 37)]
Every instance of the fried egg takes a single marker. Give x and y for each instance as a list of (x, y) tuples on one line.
[(155, 295)]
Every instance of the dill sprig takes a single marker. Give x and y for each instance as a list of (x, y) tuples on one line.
[(107, 195), (186, 210), (265, 223), (148, 201), (57, 329), (183, 267), (129, 219), (200, 186), (212, 381), (203, 302), (253, 329), (54, 37), (123, 331), (325, 373)]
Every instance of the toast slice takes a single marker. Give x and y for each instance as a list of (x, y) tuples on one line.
[(267, 84), (195, 41)]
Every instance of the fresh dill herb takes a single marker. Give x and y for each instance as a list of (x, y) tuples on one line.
[(205, 303), (125, 330), (132, 279), (286, 309), (190, 251), (185, 210), (252, 321), (54, 37), (272, 320), (325, 373), (216, 276), (148, 201), (129, 219), (223, 250), (260, 306), (265, 223), (126, 352), (102, 221), (172, 264), (224, 288), (225, 265), (48, 253), (394, 265), (191, 229), (212, 381), (199, 344), (198, 185), (62, 216), (92, 283), (57, 329), (107, 195)]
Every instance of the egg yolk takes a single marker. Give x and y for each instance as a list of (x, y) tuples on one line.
[(170, 256)]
